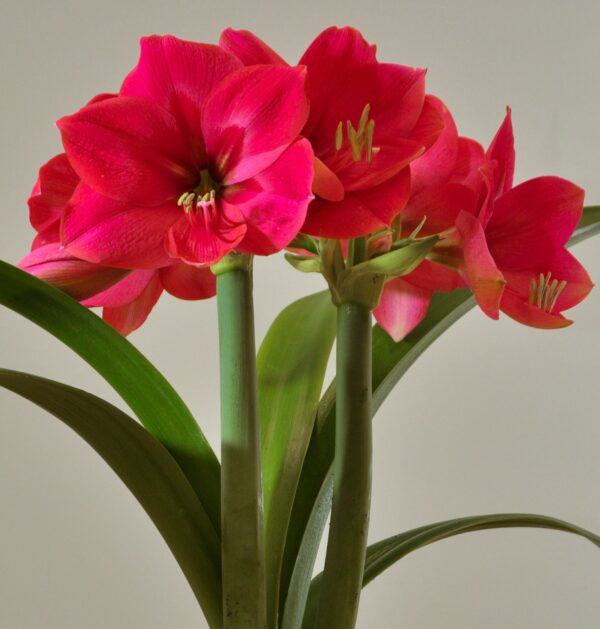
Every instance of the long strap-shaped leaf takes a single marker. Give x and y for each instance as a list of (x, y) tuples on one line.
[(291, 369), (390, 361), (385, 553), (148, 470), (136, 380)]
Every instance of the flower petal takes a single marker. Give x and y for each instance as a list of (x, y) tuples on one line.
[(179, 75), (435, 166), (56, 183), (98, 229), (185, 281), (274, 202), (127, 318), (251, 118), (128, 149), (482, 274), (326, 183), (123, 292), (502, 153), (200, 239), (435, 277), (523, 312), (248, 48), (402, 307), (388, 199), (75, 277), (533, 219)]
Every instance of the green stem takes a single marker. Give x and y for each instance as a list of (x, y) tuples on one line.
[(345, 559), (242, 534)]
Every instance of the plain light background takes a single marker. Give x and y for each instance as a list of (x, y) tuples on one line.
[(495, 417)]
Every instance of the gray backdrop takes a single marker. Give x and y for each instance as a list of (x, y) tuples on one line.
[(495, 417)]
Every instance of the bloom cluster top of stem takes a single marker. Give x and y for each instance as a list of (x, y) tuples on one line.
[(208, 150)]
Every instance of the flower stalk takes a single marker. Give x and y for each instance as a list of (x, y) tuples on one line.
[(243, 566), (345, 558)]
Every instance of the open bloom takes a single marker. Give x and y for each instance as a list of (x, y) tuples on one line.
[(517, 262), (127, 296), (368, 120), (197, 156)]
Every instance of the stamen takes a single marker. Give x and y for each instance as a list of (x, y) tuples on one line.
[(369, 140), (353, 138), (364, 118), (558, 291), (417, 229), (339, 136), (545, 292)]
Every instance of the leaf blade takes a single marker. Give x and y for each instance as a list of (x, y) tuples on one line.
[(291, 367), (134, 378), (387, 552), (147, 469)]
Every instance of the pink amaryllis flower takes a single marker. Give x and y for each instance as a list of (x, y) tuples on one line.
[(368, 120), (197, 156), (126, 296), (515, 256)]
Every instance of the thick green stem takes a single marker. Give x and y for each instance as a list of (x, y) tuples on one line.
[(241, 492), (345, 559)]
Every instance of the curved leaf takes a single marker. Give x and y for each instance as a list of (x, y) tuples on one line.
[(133, 377), (148, 470), (291, 368), (385, 553), (390, 361)]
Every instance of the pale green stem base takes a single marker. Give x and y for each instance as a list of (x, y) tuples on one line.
[(242, 533), (345, 559)]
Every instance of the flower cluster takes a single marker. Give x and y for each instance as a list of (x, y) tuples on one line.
[(208, 150)]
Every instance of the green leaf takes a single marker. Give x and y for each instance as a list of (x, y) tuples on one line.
[(137, 381), (390, 361), (147, 469), (385, 553), (291, 369)]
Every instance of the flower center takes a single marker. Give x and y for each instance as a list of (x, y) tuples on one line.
[(545, 292), (360, 138), (202, 196)]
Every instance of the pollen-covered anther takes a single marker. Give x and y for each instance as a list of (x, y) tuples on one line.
[(360, 138), (545, 292)]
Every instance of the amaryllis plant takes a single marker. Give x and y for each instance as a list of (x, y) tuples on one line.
[(209, 155)]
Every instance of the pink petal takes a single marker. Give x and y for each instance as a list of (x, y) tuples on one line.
[(562, 266), (440, 205), (54, 187), (128, 149), (434, 277), (363, 174), (326, 183), (125, 319), (482, 274), (77, 278), (435, 166), (502, 153), (200, 239), (402, 307), (188, 282), (179, 75), (274, 202), (359, 213), (123, 292), (252, 117), (519, 310), (469, 159), (248, 48), (98, 229), (533, 219), (349, 218)]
